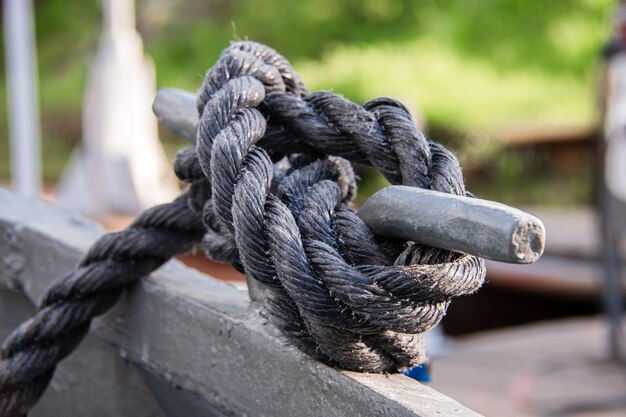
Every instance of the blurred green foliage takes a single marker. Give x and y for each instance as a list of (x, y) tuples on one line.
[(471, 67)]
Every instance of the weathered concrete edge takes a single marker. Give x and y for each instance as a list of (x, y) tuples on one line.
[(198, 334)]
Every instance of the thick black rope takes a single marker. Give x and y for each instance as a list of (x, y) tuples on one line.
[(326, 293), (31, 353), (337, 291)]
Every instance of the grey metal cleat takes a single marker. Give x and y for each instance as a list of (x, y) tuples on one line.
[(176, 109), (479, 227)]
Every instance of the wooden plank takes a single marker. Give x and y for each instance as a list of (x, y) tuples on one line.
[(523, 136), (535, 370), (557, 276)]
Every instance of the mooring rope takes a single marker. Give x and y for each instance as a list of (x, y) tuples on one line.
[(271, 186)]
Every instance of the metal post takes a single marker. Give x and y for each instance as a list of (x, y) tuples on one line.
[(24, 125)]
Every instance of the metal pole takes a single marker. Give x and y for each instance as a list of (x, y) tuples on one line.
[(21, 67)]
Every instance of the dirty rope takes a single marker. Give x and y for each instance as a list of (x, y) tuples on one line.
[(271, 184)]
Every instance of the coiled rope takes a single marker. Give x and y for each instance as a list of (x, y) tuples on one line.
[(270, 189)]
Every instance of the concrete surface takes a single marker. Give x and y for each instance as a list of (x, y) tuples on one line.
[(180, 343)]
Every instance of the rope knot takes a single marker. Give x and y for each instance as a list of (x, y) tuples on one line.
[(271, 190), (336, 290)]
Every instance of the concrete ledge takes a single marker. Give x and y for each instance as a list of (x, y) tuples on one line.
[(197, 346)]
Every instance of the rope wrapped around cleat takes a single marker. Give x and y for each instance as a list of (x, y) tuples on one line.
[(271, 185)]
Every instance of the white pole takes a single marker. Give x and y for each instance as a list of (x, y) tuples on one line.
[(21, 66), (120, 166)]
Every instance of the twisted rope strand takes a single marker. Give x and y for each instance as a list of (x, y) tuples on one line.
[(31, 352), (381, 133)]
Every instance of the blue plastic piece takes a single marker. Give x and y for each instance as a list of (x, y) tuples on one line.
[(418, 373)]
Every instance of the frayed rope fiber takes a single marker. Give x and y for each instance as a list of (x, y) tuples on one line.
[(271, 185)]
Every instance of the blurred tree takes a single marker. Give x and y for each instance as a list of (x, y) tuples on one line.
[(471, 66)]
